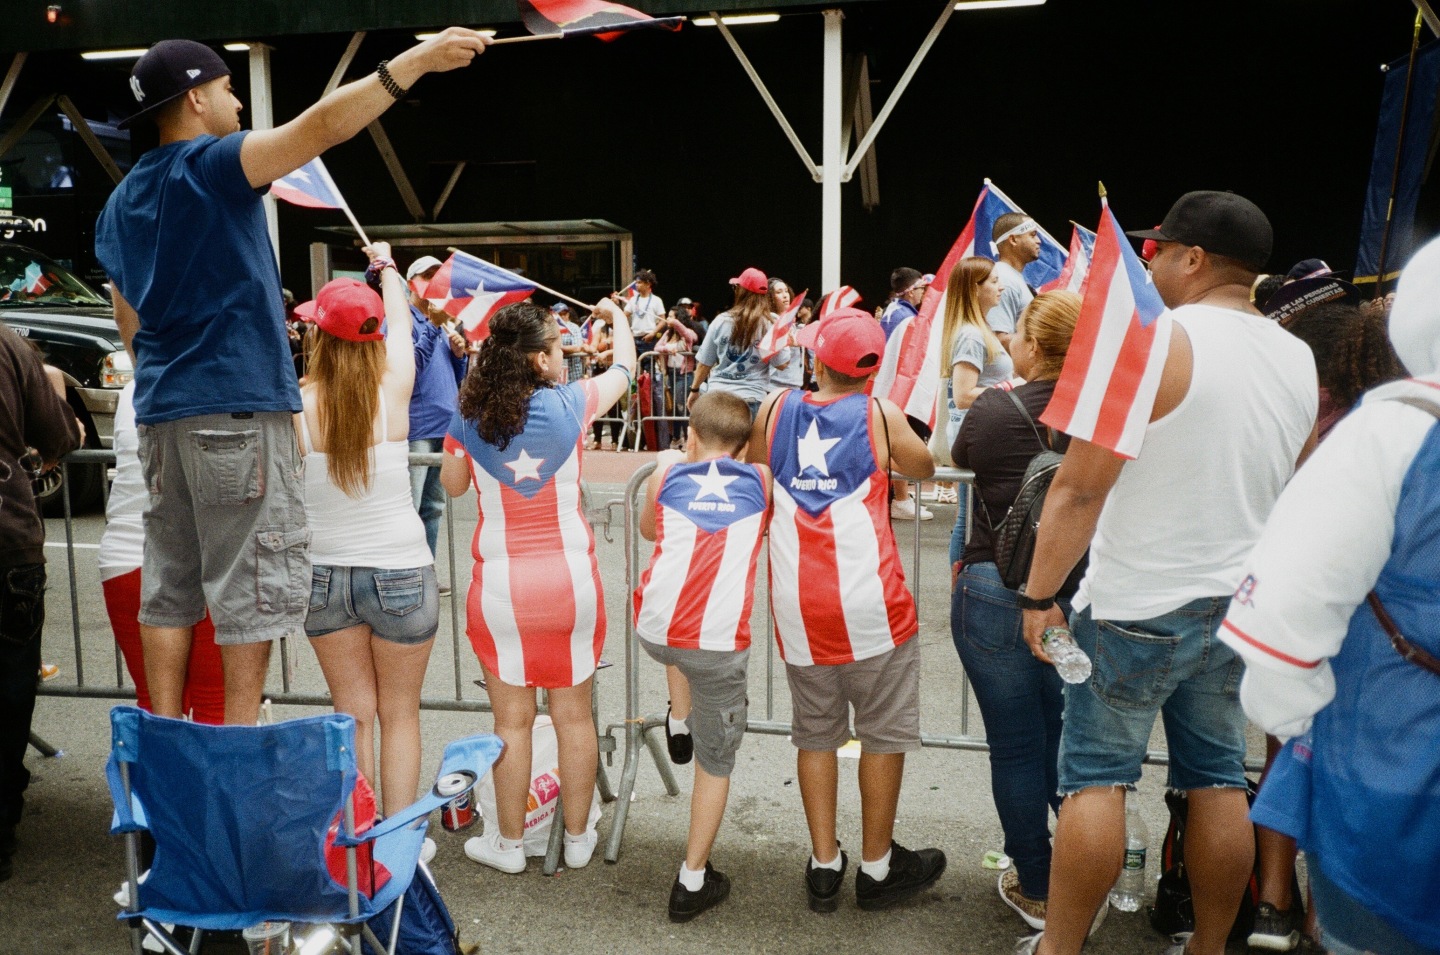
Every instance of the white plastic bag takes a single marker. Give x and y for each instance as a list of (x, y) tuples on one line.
[(544, 790)]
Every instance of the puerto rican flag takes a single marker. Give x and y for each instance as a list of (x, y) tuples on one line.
[(698, 591), (1112, 371), (910, 372), (1077, 264), (779, 334), (309, 186), (535, 612), (34, 282), (842, 297), (472, 290), (588, 18)]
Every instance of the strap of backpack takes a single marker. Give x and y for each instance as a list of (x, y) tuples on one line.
[(1046, 441)]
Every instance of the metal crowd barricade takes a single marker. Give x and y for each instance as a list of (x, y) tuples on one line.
[(669, 389)]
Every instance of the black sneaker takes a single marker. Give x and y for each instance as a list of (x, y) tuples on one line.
[(680, 745), (823, 885), (910, 874), (685, 905), (1275, 930)]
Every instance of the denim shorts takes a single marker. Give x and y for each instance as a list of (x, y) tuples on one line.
[(1172, 665), (401, 606)]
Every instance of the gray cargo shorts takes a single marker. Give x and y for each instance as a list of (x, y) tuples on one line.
[(884, 691), (225, 527), (719, 707)]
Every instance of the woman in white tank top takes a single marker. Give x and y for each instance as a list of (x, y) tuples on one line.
[(374, 604)]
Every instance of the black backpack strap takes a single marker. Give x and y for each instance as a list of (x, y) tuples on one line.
[(1047, 441)]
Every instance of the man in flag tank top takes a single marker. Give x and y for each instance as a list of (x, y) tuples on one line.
[(1233, 415), (844, 619), (706, 513)]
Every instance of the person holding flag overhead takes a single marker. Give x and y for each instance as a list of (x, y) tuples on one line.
[(1179, 450), (197, 296)]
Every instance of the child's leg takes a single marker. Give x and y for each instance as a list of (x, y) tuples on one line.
[(718, 726), (818, 772), (679, 692), (707, 808)]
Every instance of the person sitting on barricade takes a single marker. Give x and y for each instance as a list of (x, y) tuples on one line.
[(845, 622), (374, 602), (707, 514), (536, 610)]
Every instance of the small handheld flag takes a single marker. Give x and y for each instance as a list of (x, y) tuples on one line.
[(598, 18), (1112, 371), (842, 297), (779, 333), (310, 186), (1077, 264), (472, 290)]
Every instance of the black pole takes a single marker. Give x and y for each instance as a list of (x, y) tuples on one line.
[(1399, 151)]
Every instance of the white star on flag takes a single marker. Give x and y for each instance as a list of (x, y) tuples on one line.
[(713, 483), (300, 174), (480, 304), (812, 450), (525, 467)]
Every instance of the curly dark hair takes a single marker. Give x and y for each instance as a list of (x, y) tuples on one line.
[(496, 392), (1352, 349)]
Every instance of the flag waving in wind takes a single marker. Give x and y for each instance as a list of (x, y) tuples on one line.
[(309, 186), (842, 297), (779, 334), (1112, 371), (1077, 265), (588, 17), (472, 290)]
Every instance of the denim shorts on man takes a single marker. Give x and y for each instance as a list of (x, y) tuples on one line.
[(884, 690), (226, 526), (719, 703), (401, 606), (1173, 665)]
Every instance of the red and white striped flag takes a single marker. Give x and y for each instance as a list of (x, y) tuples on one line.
[(1112, 371), (779, 334), (842, 297)]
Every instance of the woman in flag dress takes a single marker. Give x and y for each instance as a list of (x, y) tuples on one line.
[(536, 612)]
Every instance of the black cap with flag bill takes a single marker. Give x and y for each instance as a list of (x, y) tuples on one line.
[(588, 18)]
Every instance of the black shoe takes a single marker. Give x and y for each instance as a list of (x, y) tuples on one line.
[(910, 874), (680, 745), (685, 905), (823, 885)]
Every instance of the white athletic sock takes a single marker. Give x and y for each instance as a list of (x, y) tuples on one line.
[(834, 865), (507, 845), (584, 837), (678, 727), (879, 870), (693, 881)]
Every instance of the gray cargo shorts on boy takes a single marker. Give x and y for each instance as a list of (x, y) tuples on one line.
[(719, 707), (225, 527)]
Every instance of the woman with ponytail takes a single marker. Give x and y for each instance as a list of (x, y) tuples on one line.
[(374, 604), (536, 612)]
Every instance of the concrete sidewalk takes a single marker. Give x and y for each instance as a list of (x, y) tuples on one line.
[(68, 866)]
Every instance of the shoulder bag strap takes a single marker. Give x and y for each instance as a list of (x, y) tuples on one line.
[(1046, 441)]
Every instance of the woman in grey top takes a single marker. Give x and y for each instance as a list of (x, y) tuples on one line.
[(729, 359)]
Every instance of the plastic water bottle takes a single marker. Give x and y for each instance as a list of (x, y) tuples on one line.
[(1070, 661), (1129, 890)]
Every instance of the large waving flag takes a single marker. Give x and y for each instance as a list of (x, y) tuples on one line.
[(910, 373), (1077, 264), (1112, 371), (779, 334), (842, 297), (588, 17), (309, 186), (472, 290)]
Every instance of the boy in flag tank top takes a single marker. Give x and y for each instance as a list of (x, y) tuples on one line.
[(846, 627), (707, 514)]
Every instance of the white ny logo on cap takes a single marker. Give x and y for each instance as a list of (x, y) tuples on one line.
[(192, 73), (135, 88)]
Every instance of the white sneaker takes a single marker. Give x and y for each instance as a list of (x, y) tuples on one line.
[(905, 511), (1028, 945), (485, 849), (122, 898), (1031, 944), (578, 853), (427, 850)]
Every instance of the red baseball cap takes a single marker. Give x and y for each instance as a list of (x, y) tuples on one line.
[(343, 307), (848, 340), (752, 280)]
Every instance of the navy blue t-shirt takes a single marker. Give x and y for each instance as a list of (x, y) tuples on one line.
[(184, 239)]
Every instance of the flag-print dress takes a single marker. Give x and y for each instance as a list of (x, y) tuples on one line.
[(536, 611)]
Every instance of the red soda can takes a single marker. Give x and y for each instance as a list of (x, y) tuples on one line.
[(459, 812)]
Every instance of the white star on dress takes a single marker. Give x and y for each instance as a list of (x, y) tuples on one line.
[(525, 467), (812, 450), (713, 483)]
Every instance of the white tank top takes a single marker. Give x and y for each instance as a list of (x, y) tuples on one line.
[(1185, 514), (378, 529)]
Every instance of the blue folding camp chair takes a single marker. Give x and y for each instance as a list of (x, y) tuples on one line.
[(240, 816)]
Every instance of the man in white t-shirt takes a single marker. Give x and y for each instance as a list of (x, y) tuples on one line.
[(1016, 238), (646, 311), (1171, 529)]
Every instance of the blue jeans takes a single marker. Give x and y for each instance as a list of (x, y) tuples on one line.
[(22, 616), (1173, 665), (957, 535), (1348, 928), (401, 606), (1021, 704), (425, 490)]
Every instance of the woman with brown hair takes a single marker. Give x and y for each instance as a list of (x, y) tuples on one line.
[(374, 604), (729, 358), (536, 610)]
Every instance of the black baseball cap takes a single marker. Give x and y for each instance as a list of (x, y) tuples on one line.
[(1221, 223), (1309, 269), (169, 69)]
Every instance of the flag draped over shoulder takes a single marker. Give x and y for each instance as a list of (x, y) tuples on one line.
[(472, 290), (588, 17), (1112, 371), (1077, 264), (309, 186), (776, 338), (910, 372)]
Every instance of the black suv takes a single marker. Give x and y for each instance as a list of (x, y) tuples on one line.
[(74, 327)]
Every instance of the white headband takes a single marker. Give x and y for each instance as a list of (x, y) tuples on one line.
[(1024, 228)]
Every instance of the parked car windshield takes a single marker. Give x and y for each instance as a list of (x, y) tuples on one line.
[(29, 278)]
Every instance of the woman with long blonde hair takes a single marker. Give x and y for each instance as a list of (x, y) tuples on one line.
[(374, 603), (729, 358)]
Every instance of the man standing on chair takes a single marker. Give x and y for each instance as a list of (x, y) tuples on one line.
[(197, 298)]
